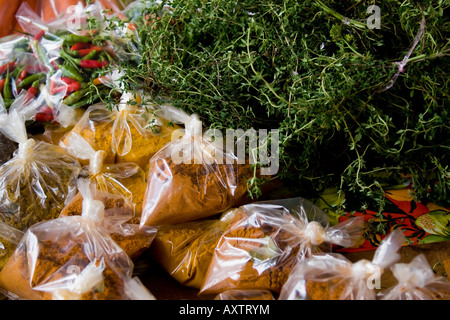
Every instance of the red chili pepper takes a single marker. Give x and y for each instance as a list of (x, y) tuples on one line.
[(31, 93), (39, 35), (80, 46), (2, 84), (93, 64), (83, 52), (21, 76), (72, 87), (68, 80), (55, 65), (9, 65), (45, 114)]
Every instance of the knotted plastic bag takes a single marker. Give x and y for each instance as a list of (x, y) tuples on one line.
[(72, 258), (417, 281), (192, 177), (126, 179), (38, 180), (331, 276), (266, 241)]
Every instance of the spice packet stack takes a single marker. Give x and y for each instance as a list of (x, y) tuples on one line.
[(192, 178), (185, 250), (72, 258), (40, 178), (416, 281), (126, 179), (265, 241), (331, 276), (119, 214)]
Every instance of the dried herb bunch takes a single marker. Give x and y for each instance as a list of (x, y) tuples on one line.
[(358, 108)]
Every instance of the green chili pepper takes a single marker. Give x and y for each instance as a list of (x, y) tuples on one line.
[(67, 57), (17, 72), (71, 72), (91, 55), (42, 54), (30, 79), (81, 103), (75, 97), (7, 91), (74, 38), (51, 37), (8, 102)]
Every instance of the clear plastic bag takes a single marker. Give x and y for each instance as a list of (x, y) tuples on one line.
[(125, 134), (72, 258), (331, 276), (266, 241), (185, 250), (245, 295), (40, 178), (126, 179), (416, 281), (192, 178)]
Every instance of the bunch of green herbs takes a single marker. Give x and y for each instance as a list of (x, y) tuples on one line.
[(358, 108)]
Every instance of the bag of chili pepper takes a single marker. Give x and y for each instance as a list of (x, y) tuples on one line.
[(20, 71), (331, 276), (72, 258), (125, 179), (39, 179), (265, 241), (416, 281)]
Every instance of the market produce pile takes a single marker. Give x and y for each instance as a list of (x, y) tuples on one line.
[(104, 111)]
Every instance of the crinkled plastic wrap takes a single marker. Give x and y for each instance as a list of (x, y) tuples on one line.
[(417, 281), (245, 295), (72, 258), (38, 181), (192, 178), (185, 250), (266, 241), (126, 179), (331, 276)]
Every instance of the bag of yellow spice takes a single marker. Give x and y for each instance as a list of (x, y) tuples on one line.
[(129, 132), (126, 179)]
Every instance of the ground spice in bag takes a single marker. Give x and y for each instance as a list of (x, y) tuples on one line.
[(416, 281), (72, 257), (185, 250), (192, 178), (266, 241), (331, 276)]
